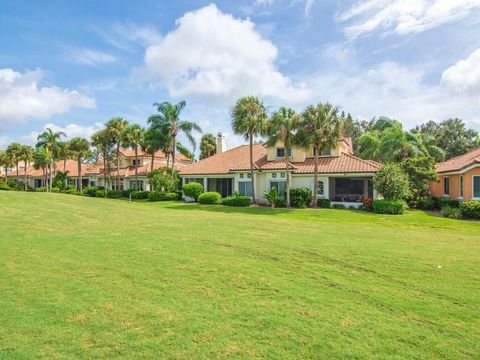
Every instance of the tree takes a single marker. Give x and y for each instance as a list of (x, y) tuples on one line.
[(42, 159), (282, 128), (421, 172), (13, 151), (158, 137), (164, 179), (320, 128), (49, 139), (249, 119), (391, 182), (116, 128), (26, 155), (133, 137), (63, 153), (104, 143), (170, 113), (8, 162), (81, 148), (185, 151), (208, 146)]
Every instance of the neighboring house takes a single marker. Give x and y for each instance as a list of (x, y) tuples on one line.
[(343, 178), (95, 175), (459, 177)]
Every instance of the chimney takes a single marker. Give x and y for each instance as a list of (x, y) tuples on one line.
[(221, 147)]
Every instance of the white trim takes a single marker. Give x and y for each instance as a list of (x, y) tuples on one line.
[(457, 172)]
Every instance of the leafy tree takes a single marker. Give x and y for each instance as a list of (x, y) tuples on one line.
[(249, 119), (105, 145), (391, 182), (208, 146), (185, 151), (13, 151), (8, 162), (49, 140), (133, 137), (26, 155), (164, 180), (282, 127), (421, 172), (158, 137), (42, 159), (81, 148), (116, 128), (62, 152), (320, 128)]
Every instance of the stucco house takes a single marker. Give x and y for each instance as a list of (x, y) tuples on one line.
[(95, 174), (343, 177), (459, 177)]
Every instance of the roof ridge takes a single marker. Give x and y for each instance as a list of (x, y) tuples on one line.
[(367, 161), (458, 156)]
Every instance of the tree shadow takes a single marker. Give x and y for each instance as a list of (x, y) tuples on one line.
[(231, 209)]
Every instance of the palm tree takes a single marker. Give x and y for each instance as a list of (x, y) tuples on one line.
[(208, 146), (282, 127), (104, 144), (13, 151), (8, 162), (81, 148), (41, 160), (171, 114), (49, 139), (63, 153), (158, 137), (249, 119), (320, 128), (429, 148), (26, 154), (185, 151), (133, 137), (116, 129)]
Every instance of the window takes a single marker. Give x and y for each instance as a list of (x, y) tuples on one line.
[(241, 176), (245, 188), (197, 180), (281, 152), (138, 186), (446, 186), (282, 175), (274, 175), (136, 162), (476, 187), (280, 186), (326, 152), (461, 186), (321, 189)]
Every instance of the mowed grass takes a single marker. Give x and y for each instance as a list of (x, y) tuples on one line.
[(98, 278)]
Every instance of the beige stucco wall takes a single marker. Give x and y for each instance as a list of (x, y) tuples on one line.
[(300, 154), (438, 190)]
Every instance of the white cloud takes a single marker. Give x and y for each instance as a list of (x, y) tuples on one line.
[(464, 76), (264, 2), (404, 16), (71, 130), (89, 57), (21, 98), (214, 55), (308, 6)]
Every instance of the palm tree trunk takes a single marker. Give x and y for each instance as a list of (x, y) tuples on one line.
[(173, 151), (43, 175), (151, 170), (315, 180), (251, 169), (25, 176), (136, 168), (118, 166), (64, 164), (17, 162), (79, 164), (287, 164)]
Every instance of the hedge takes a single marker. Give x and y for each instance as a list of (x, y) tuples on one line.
[(441, 202), (300, 197), (161, 196), (392, 207), (114, 194), (451, 212), (40, 189), (210, 198), (237, 201), (323, 203), (470, 209), (338, 206), (139, 195), (99, 193), (192, 190), (55, 190)]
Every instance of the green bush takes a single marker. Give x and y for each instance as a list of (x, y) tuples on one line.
[(392, 207), (90, 191), (280, 203), (160, 196), (12, 183), (100, 193), (55, 190), (392, 182), (71, 190), (126, 193), (323, 203), (451, 212), (442, 202), (114, 194), (470, 209), (4, 185), (239, 200), (300, 197), (423, 203), (210, 198), (40, 189), (139, 195), (192, 190), (338, 206)]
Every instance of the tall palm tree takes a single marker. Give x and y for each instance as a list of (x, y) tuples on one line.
[(208, 146), (171, 113), (283, 127), (49, 139), (105, 146), (428, 147), (26, 155), (249, 119), (116, 128), (133, 137), (81, 148), (41, 160), (13, 150), (63, 153), (8, 162), (320, 128), (158, 136), (185, 151)]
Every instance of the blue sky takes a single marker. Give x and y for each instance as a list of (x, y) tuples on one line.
[(72, 65)]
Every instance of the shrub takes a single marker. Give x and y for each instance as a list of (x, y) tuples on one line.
[(192, 190), (338, 206), (323, 203), (451, 212), (279, 203), (391, 182), (159, 196), (40, 189), (71, 190), (126, 193), (422, 202), (4, 185), (55, 190), (11, 183), (164, 180), (300, 197), (392, 207), (442, 202), (139, 195), (272, 196), (470, 209), (421, 172), (239, 200), (367, 204), (100, 193), (210, 198), (90, 191), (114, 194)]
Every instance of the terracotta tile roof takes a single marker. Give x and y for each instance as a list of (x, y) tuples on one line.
[(239, 159), (158, 154), (71, 167), (460, 162)]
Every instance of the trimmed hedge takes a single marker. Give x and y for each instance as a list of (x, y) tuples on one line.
[(100, 193), (451, 212), (160, 196), (338, 206), (470, 209), (4, 185), (192, 190), (90, 191), (55, 190), (139, 195), (441, 202), (423, 203), (300, 197), (237, 201), (392, 207), (210, 198), (323, 203), (40, 189), (114, 194)]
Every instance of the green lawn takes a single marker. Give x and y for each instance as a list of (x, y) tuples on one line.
[(98, 278)]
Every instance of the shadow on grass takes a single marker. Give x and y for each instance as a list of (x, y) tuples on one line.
[(230, 209)]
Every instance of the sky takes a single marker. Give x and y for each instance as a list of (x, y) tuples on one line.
[(73, 65)]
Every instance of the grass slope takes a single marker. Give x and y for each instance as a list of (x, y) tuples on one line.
[(98, 278)]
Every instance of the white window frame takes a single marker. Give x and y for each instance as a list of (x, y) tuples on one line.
[(284, 151), (246, 182), (473, 187), (322, 195)]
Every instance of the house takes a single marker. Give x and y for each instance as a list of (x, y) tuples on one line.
[(343, 177), (459, 177), (95, 174)]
